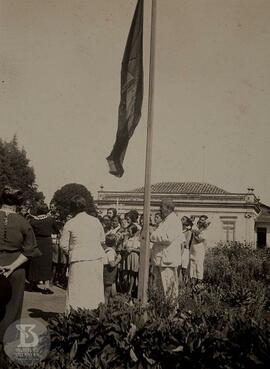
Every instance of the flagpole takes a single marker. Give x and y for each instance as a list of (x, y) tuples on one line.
[(144, 254)]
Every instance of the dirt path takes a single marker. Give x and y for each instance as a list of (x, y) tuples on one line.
[(42, 307)]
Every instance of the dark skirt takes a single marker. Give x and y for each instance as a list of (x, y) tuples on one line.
[(40, 268), (12, 311)]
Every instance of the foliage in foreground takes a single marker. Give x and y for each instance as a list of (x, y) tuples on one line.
[(117, 337), (224, 324)]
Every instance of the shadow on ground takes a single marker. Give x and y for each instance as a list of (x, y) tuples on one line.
[(46, 315)]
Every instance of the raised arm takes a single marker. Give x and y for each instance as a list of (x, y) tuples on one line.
[(199, 236)]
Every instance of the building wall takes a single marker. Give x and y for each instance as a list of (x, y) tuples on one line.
[(233, 224), (268, 235), (267, 226), (227, 225)]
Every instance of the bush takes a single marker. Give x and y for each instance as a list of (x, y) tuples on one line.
[(224, 324), (230, 260), (118, 337)]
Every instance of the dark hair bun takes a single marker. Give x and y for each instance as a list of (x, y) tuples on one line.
[(78, 204), (11, 196), (42, 208)]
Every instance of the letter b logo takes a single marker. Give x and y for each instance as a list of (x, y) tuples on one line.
[(28, 338)]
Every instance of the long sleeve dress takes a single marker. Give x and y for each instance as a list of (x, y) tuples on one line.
[(40, 268), (197, 254), (81, 239), (16, 237)]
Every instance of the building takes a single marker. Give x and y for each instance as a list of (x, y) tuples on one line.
[(234, 216), (262, 226)]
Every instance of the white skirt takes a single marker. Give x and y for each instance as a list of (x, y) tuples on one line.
[(185, 258), (197, 255), (85, 285)]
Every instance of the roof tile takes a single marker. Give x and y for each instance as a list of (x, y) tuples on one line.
[(183, 187)]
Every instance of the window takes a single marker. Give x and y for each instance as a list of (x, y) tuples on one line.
[(261, 237), (228, 229)]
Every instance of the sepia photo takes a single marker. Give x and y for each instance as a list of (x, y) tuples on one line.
[(134, 184)]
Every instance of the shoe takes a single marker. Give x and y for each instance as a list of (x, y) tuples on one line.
[(35, 289), (47, 291)]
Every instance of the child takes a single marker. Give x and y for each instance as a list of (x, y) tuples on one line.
[(110, 267), (132, 246), (121, 237)]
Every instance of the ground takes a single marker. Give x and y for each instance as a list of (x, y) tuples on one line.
[(42, 307)]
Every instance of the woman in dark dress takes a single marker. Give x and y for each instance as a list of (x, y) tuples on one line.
[(40, 268), (17, 245)]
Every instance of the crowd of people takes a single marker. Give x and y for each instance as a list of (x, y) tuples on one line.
[(177, 248), (93, 257)]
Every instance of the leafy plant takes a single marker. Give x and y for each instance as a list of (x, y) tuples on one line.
[(222, 325)]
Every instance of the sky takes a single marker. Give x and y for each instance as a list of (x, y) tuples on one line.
[(60, 66)]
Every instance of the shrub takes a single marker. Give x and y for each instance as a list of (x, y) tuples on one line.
[(118, 337), (222, 325), (228, 260)]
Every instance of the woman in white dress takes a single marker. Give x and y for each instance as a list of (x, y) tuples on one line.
[(82, 240), (197, 250)]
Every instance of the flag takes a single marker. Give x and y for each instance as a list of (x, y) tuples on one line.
[(129, 112)]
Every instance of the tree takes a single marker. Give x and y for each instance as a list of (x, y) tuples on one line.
[(62, 199), (15, 170)]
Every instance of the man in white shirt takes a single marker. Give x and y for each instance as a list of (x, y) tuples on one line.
[(166, 252)]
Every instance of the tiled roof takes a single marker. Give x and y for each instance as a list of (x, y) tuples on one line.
[(264, 215), (263, 219), (184, 187)]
